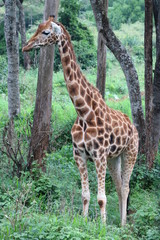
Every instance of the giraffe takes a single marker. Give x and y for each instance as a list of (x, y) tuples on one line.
[(101, 134)]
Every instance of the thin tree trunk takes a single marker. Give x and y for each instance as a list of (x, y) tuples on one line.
[(156, 83), (127, 66), (22, 30), (148, 80), (42, 113), (13, 58), (101, 61)]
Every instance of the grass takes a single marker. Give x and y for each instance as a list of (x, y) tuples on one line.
[(49, 207)]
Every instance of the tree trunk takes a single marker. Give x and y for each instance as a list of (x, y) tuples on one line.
[(127, 66), (156, 84), (42, 113), (22, 30), (13, 58), (101, 61), (148, 80)]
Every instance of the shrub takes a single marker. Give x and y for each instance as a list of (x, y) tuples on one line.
[(86, 54), (146, 218), (3, 74), (144, 178), (15, 144), (49, 206), (63, 118)]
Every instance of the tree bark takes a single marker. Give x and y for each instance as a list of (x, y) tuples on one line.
[(13, 58), (101, 61), (127, 66), (148, 81), (22, 30), (42, 114), (156, 83)]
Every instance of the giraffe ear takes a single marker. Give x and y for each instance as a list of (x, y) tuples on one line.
[(56, 29)]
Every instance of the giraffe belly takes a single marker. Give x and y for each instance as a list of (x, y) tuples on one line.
[(92, 149), (84, 148), (115, 154), (92, 142), (116, 149), (97, 146)]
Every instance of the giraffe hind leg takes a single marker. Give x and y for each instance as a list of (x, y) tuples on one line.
[(114, 166), (128, 161)]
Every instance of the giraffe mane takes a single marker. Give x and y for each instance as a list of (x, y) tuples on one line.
[(68, 37)]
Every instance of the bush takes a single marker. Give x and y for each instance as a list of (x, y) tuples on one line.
[(145, 179), (63, 118), (146, 218), (15, 145), (124, 11), (86, 54)]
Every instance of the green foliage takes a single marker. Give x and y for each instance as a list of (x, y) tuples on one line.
[(122, 105), (63, 118), (3, 110), (80, 35), (144, 178), (147, 216), (33, 14), (68, 16), (132, 37), (124, 11), (49, 206), (14, 145), (3, 74), (53, 227), (2, 39), (28, 85), (86, 54)]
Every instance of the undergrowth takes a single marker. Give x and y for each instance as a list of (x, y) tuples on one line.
[(49, 206)]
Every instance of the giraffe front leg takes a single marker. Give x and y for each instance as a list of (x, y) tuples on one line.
[(101, 165), (82, 166)]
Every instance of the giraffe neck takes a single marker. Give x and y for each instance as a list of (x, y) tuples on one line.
[(84, 96), (71, 69)]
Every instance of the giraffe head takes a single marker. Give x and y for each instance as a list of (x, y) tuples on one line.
[(48, 33)]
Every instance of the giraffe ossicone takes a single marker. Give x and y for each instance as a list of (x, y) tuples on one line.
[(99, 133)]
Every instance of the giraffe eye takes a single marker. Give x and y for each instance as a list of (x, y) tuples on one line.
[(46, 32)]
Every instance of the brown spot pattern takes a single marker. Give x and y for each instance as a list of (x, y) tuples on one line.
[(73, 89), (79, 102)]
